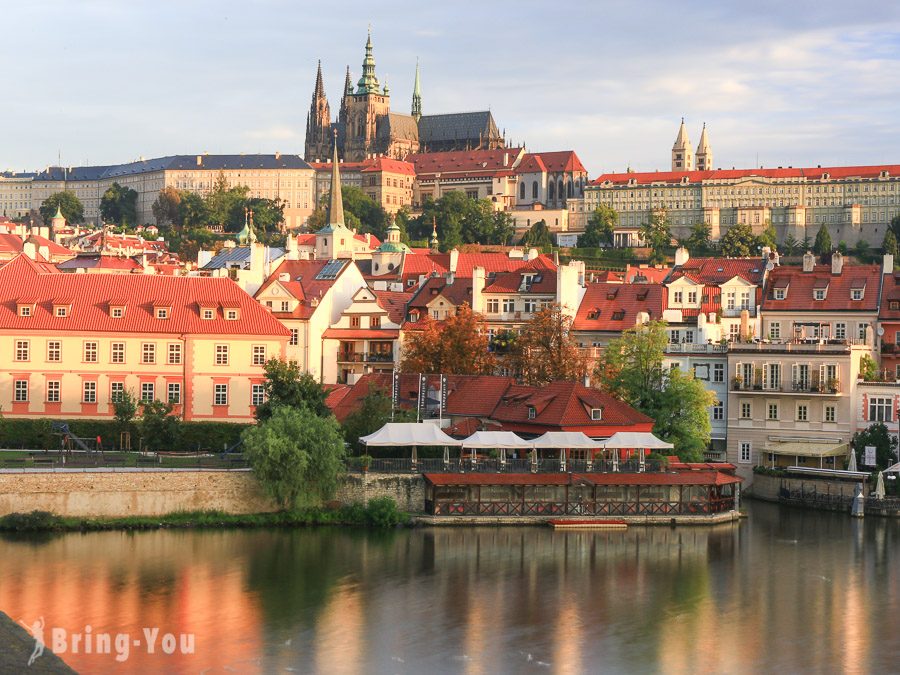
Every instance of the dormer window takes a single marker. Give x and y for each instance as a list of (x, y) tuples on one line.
[(819, 294), (618, 315), (161, 312), (117, 312), (208, 314), (61, 311), (894, 304), (531, 412), (780, 293), (856, 294), (414, 315), (231, 314), (596, 414), (26, 309)]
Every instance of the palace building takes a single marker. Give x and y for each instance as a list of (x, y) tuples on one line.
[(366, 127)]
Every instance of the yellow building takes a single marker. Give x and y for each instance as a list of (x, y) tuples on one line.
[(74, 342)]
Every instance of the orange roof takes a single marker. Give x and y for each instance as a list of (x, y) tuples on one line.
[(11, 243), (394, 303), (301, 283), (90, 296), (799, 285), (611, 306), (544, 278), (563, 161), (370, 165), (817, 173), (464, 163)]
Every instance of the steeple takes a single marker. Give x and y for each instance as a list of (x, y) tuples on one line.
[(336, 208), (368, 83), (348, 85), (682, 153), (319, 91), (318, 122), (704, 152), (417, 96)]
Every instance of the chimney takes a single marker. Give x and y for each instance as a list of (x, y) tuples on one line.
[(450, 278), (29, 249), (277, 155), (478, 277), (809, 261), (454, 260), (199, 160), (887, 265), (505, 159), (837, 262), (45, 252), (682, 255)]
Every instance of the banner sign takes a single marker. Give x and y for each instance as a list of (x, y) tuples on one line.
[(395, 391), (443, 394), (423, 392), (869, 459)]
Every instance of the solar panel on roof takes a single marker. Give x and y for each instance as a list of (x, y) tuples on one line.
[(331, 270)]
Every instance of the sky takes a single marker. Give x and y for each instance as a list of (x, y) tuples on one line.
[(777, 83)]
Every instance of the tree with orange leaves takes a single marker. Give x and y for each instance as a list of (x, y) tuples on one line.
[(546, 349), (457, 345)]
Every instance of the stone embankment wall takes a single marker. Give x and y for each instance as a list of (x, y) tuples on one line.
[(150, 492), (768, 487)]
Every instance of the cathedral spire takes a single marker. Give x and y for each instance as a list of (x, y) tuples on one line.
[(318, 122), (348, 85), (319, 91), (417, 96), (336, 208), (368, 83), (704, 152), (682, 153)]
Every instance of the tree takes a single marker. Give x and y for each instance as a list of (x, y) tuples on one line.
[(268, 215), (456, 346), (119, 205), (791, 245), (546, 350), (895, 226), (876, 435), (460, 220), (125, 408), (373, 413), (657, 236), (166, 208), (361, 212), (71, 207), (286, 386), (823, 241), (631, 368), (599, 229), (868, 369), (889, 245), (297, 455), (769, 237), (843, 248), (861, 250), (538, 236), (738, 242), (192, 211), (699, 243), (159, 427)]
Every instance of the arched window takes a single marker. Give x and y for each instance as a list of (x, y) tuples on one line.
[(522, 190), (534, 189), (559, 189), (552, 194), (569, 190)]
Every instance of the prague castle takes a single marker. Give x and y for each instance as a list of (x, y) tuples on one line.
[(366, 127)]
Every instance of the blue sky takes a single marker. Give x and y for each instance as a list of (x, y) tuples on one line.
[(789, 83)]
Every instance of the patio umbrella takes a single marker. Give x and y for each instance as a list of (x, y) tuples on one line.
[(852, 465), (879, 486)]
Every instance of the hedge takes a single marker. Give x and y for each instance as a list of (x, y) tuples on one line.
[(37, 434)]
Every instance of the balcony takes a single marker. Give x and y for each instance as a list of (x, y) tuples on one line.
[(798, 346), (813, 385), (379, 357), (692, 348), (890, 348), (365, 357), (735, 312)]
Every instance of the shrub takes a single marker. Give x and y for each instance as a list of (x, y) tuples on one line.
[(383, 512), (36, 521)]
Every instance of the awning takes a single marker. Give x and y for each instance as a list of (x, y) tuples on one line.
[(808, 449), (496, 439), (894, 468), (636, 440), (409, 434), (565, 439)]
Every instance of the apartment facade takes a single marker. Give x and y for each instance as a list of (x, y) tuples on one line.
[(15, 194)]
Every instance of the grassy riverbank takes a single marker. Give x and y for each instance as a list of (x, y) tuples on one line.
[(378, 513)]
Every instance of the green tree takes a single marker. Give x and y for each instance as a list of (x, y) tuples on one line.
[(769, 237), (631, 368), (861, 250), (599, 228), (192, 211), (287, 386), (738, 242), (461, 220), (868, 369), (699, 243), (889, 245), (895, 226), (374, 412), (119, 205), (361, 212), (791, 245), (125, 408), (538, 236), (67, 202), (657, 236), (166, 207), (225, 204), (159, 428), (823, 241), (842, 247), (297, 455), (876, 435), (268, 215)]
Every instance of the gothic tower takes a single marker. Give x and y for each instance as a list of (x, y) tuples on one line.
[(364, 108), (417, 96), (704, 152), (318, 123), (682, 153)]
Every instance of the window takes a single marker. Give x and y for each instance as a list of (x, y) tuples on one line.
[(718, 411), (148, 392), (856, 294), (780, 293), (90, 352), (745, 410), (493, 306), (257, 394), (231, 314), (772, 411), (802, 412), (20, 390), (53, 391), (25, 310), (772, 376), (830, 413), (23, 350), (531, 412), (354, 322), (692, 297), (729, 300), (861, 330), (259, 355), (61, 311), (880, 409), (295, 336), (674, 336), (174, 357), (221, 355), (718, 372), (148, 352), (117, 352), (221, 394), (509, 305), (374, 322), (679, 297), (734, 332), (54, 350), (174, 392), (819, 294), (744, 452), (162, 312), (116, 391), (596, 413), (701, 371), (208, 314), (117, 312), (89, 392), (285, 306), (774, 330), (840, 331)]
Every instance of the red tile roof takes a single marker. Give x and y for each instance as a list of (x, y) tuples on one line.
[(800, 285), (394, 303), (716, 271), (562, 161), (464, 163), (543, 269), (370, 165), (890, 291), (335, 394), (816, 173), (615, 306), (13, 244), (457, 293), (615, 478), (301, 284), (91, 294)]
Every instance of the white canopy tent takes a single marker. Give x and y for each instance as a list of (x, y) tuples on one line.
[(894, 468), (634, 440), (499, 440), (410, 434), (566, 439)]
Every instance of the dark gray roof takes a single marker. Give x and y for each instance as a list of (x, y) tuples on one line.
[(239, 256), (175, 163), (396, 126), (457, 126), (13, 174)]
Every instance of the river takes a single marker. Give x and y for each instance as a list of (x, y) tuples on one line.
[(785, 590)]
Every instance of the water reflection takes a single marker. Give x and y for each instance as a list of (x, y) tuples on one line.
[(787, 590)]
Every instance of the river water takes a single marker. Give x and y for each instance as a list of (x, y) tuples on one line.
[(785, 590)]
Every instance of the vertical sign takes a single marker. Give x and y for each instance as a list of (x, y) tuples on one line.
[(395, 392), (869, 459), (423, 393), (443, 394)]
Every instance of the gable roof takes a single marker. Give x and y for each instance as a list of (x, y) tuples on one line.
[(471, 126), (562, 161), (717, 271), (615, 307), (394, 303), (464, 163), (890, 292), (302, 285), (800, 285), (544, 278)]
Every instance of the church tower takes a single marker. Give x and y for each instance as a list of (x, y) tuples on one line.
[(417, 96), (682, 153), (363, 110), (335, 240), (704, 152), (318, 123)]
